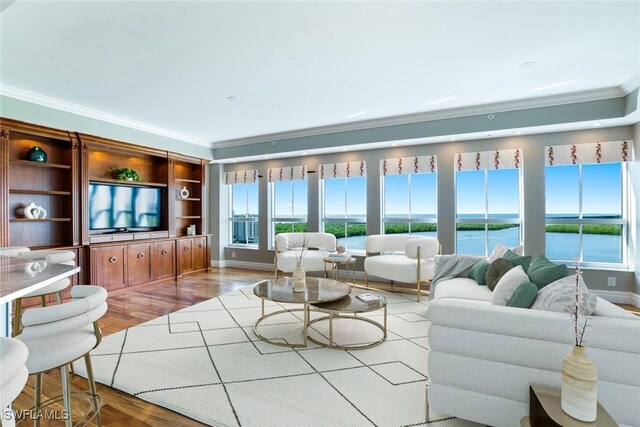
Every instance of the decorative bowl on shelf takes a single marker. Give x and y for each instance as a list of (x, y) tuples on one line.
[(37, 154)]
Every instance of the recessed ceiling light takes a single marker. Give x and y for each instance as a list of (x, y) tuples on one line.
[(453, 138), (527, 65), (597, 124), (359, 113), (564, 83), (232, 98), (234, 160), (441, 101), (518, 132)]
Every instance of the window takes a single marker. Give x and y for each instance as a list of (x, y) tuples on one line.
[(288, 188), (409, 195), (586, 207), (487, 201), (243, 218), (344, 203)]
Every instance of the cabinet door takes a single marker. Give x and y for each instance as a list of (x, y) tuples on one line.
[(111, 265), (139, 263), (164, 260), (200, 253), (185, 256)]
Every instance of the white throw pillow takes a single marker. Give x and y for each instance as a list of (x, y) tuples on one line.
[(561, 296), (499, 250), (507, 285)]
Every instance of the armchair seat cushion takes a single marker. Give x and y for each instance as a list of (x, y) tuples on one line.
[(312, 261), (398, 268)]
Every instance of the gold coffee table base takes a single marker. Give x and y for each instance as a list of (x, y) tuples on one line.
[(331, 343), (275, 313)]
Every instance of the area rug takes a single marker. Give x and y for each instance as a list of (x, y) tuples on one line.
[(206, 363)]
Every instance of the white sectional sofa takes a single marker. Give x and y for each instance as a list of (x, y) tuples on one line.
[(483, 357), (318, 247)]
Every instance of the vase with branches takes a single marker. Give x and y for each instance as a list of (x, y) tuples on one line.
[(578, 396), (299, 276)]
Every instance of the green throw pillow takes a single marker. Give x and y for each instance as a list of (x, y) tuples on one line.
[(496, 270), (478, 272), (516, 259), (524, 296), (542, 272)]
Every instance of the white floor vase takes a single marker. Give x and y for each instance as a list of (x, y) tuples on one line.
[(579, 380)]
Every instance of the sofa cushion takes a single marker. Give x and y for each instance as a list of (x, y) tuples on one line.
[(561, 295), (516, 259), (524, 296), (461, 288), (542, 271), (496, 270), (478, 272), (508, 284), (398, 268)]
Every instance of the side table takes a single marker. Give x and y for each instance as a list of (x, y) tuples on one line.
[(545, 411), (350, 264)]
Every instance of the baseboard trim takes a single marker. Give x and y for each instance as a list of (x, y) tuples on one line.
[(618, 297), (261, 266), (635, 300)]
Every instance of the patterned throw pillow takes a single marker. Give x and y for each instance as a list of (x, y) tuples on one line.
[(561, 295), (499, 250), (496, 270)]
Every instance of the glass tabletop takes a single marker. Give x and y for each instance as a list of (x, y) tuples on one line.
[(318, 290), (352, 304)]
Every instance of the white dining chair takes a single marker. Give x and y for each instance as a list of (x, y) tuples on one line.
[(13, 375)]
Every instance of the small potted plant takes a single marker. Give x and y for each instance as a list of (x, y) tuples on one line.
[(124, 174)]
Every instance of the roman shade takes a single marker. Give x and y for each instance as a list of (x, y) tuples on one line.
[(598, 152), (409, 165), (343, 170), (248, 176), (485, 160), (288, 173)]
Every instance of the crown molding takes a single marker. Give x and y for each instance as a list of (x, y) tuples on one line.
[(47, 101), (497, 107), (631, 84)]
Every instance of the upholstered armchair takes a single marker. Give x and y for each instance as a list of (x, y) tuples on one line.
[(401, 258), (318, 247)]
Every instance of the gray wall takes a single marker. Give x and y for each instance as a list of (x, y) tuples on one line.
[(634, 172), (533, 178), (16, 109)]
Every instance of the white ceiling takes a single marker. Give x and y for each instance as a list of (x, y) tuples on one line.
[(171, 66)]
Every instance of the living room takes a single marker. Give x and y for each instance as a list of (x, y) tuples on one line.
[(179, 164)]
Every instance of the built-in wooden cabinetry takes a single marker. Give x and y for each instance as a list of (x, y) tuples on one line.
[(61, 187)]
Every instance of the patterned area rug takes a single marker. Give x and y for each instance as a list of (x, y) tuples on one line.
[(206, 363)]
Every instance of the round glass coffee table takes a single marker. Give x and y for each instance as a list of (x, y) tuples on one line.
[(348, 308), (318, 290)]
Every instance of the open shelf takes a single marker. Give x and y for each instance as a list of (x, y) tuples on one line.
[(188, 199), (43, 192), (189, 217), (196, 181), (40, 220), (130, 183), (38, 164)]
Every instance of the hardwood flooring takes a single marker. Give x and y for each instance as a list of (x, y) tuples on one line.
[(132, 306)]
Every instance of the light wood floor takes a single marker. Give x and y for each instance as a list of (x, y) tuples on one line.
[(130, 307)]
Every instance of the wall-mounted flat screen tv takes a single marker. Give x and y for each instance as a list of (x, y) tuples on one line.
[(120, 206)]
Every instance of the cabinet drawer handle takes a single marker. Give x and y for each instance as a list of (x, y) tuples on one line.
[(201, 245), (186, 248), (114, 238), (113, 259), (164, 252), (152, 235), (140, 255)]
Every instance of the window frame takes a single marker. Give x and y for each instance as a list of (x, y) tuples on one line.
[(580, 221), (293, 219), (243, 219), (490, 221), (346, 219), (409, 221)]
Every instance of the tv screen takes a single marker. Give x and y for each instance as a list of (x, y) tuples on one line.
[(119, 206)]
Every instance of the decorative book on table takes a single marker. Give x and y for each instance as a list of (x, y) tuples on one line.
[(368, 297)]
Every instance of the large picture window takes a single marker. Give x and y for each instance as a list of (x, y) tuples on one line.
[(344, 203), (288, 191), (243, 218), (586, 204), (488, 201), (409, 195)]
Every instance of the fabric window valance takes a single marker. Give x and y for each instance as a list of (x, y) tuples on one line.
[(343, 170), (598, 152), (409, 165), (485, 160), (248, 176), (287, 173)]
